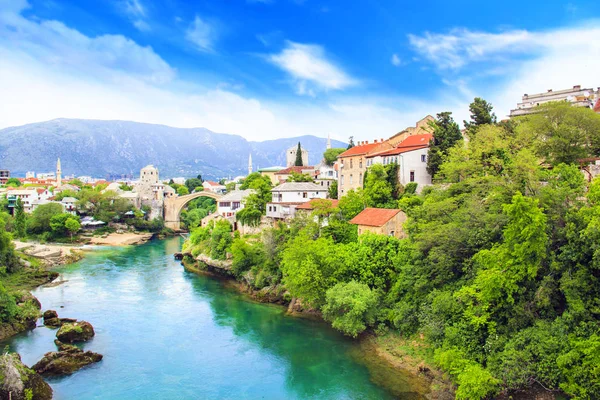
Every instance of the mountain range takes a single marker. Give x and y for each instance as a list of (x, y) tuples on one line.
[(110, 149)]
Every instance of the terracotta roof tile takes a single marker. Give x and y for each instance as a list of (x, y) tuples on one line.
[(358, 150), (411, 143), (374, 216), (295, 169), (597, 106)]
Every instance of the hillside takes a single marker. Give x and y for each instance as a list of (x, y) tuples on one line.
[(104, 148)]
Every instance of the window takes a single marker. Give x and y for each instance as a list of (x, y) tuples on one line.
[(412, 176), (351, 165), (351, 179), (342, 180), (360, 163), (360, 178), (304, 195), (270, 208), (423, 158)]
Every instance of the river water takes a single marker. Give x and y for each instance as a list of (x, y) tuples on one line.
[(169, 334)]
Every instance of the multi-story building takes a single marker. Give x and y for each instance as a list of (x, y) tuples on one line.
[(229, 205), (283, 175), (287, 196), (353, 164), (577, 96), (411, 157), (4, 176)]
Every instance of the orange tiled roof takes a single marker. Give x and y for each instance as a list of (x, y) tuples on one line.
[(411, 143), (212, 183), (295, 169), (374, 216), (358, 150), (309, 205), (597, 106)]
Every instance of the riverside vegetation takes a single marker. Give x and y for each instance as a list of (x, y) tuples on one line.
[(499, 275)]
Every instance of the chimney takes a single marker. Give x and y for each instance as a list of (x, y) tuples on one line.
[(375, 140), (381, 140), (577, 87), (549, 90), (366, 142)]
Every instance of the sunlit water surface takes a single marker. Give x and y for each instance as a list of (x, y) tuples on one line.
[(169, 334)]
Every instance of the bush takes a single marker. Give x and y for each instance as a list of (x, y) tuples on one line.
[(350, 307)]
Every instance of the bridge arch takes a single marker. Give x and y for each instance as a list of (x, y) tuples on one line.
[(174, 205)]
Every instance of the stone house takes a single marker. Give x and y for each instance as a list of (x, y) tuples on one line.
[(381, 221), (283, 175), (229, 205)]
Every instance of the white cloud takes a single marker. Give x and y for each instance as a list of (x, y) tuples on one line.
[(136, 12), (134, 8), (310, 68), (141, 25), (202, 34), (395, 60), (503, 66)]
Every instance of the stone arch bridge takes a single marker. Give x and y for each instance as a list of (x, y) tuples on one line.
[(174, 205)]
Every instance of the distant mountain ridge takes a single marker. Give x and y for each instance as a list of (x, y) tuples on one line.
[(113, 148)]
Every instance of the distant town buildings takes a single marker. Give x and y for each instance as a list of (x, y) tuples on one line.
[(212, 186), (4, 176), (270, 172), (229, 205), (290, 156), (586, 97)]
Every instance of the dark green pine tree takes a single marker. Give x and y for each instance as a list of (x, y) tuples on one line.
[(20, 219), (298, 162), (481, 114), (351, 143), (446, 133)]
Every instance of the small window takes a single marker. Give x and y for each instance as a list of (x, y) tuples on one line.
[(305, 195), (351, 179), (423, 158), (360, 163), (412, 176), (351, 164)]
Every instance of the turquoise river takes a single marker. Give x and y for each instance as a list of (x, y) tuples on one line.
[(169, 334)]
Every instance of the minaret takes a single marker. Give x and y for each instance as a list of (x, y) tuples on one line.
[(328, 141), (58, 174), (249, 163)]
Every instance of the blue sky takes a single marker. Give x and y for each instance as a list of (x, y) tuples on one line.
[(272, 68)]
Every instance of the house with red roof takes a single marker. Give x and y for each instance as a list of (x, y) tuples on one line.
[(411, 157), (353, 164), (283, 175), (381, 221), (214, 187)]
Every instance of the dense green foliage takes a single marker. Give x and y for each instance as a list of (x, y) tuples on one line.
[(330, 155), (446, 133), (255, 203), (196, 210), (500, 272), (481, 114)]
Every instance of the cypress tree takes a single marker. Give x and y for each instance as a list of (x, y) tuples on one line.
[(298, 162), (19, 219)]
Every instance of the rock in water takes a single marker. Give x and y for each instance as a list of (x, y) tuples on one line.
[(75, 332), (51, 319), (17, 382), (65, 361), (48, 314)]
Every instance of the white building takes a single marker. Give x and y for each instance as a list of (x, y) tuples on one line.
[(576, 96), (214, 187), (30, 198), (411, 157), (290, 156), (232, 202), (68, 204), (287, 196)]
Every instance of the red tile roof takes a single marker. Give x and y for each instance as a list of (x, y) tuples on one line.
[(309, 205), (212, 183), (358, 150), (374, 216), (295, 169), (411, 143), (597, 106)]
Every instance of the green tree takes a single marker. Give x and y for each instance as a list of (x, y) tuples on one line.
[(333, 190), (20, 219), (481, 114), (562, 133), (39, 221), (192, 184), (8, 258), (350, 143), (378, 190), (73, 226), (182, 190), (446, 133), (353, 203), (296, 177), (330, 155), (351, 307), (13, 182), (298, 162), (58, 223)]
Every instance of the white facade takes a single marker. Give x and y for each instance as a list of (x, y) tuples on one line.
[(412, 166), (232, 202), (213, 187), (577, 96), (287, 196)]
